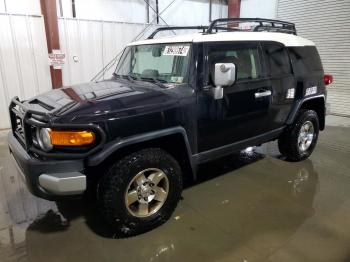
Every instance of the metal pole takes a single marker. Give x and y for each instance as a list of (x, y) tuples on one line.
[(157, 11), (61, 8), (210, 7), (49, 11), (74, 13), (147, 11), (234, 8), (5, 6), (159, 16)]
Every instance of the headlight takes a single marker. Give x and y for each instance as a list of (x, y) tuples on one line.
[(44, 139), (47, 138), (71, 138)]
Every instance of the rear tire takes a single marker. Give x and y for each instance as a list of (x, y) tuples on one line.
[(140, 191), (299, 139)]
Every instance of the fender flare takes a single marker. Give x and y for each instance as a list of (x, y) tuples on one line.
[(298, 105), (116, 145)]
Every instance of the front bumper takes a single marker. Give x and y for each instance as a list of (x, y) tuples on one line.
[(49, 179)]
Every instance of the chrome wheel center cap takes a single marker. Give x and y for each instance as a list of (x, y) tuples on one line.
[(145, 192)]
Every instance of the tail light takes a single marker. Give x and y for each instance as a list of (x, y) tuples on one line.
[(328, 79)]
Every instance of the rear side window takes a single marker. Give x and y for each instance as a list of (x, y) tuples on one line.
[(305, 60), (277, 59), (245, 58)]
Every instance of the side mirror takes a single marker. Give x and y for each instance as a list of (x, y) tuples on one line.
[(224, 75)]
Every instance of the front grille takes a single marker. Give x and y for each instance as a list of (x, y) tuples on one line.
[(18, 113), (19, 128), (24, 121), (17, 122)]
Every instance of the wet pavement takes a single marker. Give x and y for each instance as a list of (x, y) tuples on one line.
[(251, 206)]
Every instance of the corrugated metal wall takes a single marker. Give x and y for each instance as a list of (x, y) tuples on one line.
[(90, 44), (24, 69), (327, 23), (24, 65)]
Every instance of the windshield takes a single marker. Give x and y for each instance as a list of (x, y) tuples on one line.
[(166, 63)]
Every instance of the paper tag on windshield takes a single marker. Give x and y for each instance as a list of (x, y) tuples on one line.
[(176, 50)]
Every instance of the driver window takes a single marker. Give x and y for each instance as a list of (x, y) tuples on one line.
[(246, 60)]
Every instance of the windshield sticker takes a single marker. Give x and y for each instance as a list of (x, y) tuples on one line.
[(176, 50), (177, 79)]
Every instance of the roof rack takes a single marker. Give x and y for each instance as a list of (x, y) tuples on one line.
[(203, 28), (233, 24), (268, 25), (172, 28)]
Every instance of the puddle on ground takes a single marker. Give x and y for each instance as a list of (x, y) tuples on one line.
[(246, 206)]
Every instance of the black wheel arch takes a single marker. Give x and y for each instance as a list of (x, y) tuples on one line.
[(315, 103), (173, 140)]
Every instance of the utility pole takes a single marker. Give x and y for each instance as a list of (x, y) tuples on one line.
[(157, 11), (49, 12), (234, 8)]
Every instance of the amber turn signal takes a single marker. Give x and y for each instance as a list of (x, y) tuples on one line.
[(71, 138)]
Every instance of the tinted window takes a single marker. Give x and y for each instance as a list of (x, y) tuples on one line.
[(277, 59), (305, 60), (246, 59)]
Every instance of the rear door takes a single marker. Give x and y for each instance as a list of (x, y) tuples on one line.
[(282, 82)]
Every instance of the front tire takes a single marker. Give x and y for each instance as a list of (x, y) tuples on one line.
[(140, 191), (299, 140)]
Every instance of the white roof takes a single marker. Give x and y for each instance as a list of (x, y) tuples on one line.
[(286, 39)]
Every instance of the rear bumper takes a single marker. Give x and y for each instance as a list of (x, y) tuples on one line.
[(50, 179)]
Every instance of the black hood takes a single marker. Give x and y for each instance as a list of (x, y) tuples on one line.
[(110, 98)]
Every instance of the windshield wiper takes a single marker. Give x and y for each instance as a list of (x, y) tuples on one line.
[(131, 78), (116, 75), (158, 82)]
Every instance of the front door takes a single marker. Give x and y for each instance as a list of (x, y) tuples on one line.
[(245, 110)]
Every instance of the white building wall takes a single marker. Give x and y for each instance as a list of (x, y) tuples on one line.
[(191, 12), (2, 6), (24, 65), (111, 10), (103, 27), (90, 45), (29, 7), (181, 12), (259, 8)]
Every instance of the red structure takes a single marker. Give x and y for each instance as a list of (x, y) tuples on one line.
[(48, 9), (234, 8)]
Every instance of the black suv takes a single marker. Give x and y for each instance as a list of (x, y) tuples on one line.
[(172, 104)]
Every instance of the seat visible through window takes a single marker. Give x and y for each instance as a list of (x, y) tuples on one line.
[(246, 61)]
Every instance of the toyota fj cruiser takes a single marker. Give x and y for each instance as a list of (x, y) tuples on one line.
[(172, 104)]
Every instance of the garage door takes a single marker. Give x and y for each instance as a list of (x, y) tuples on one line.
[(327, 23)]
